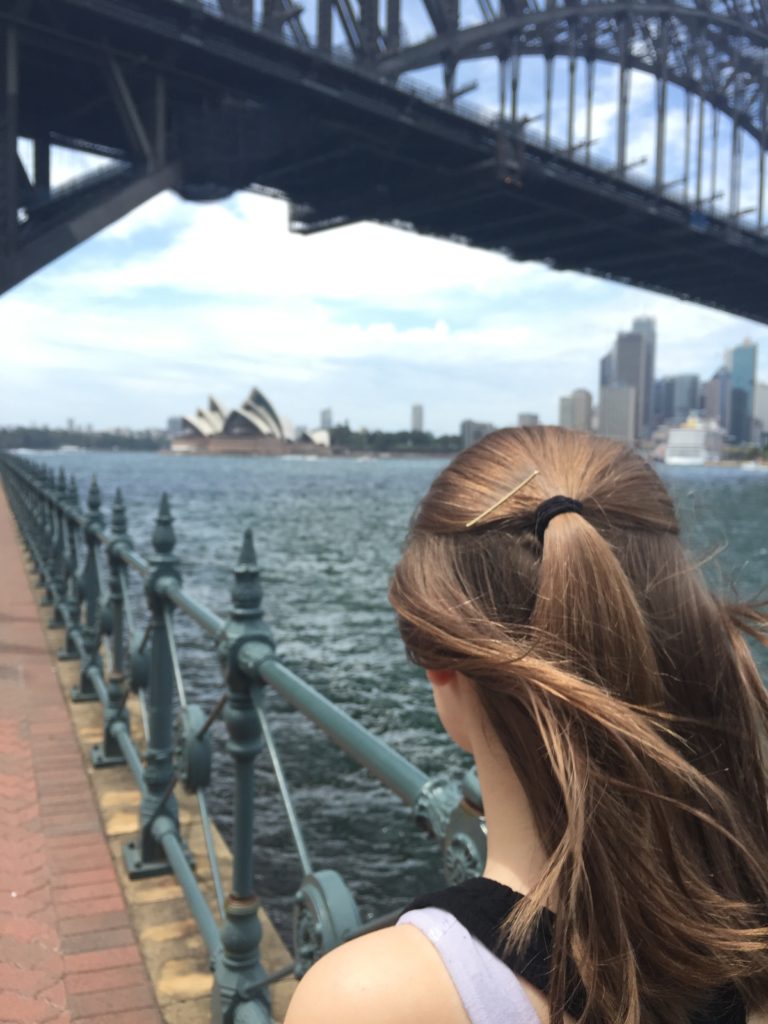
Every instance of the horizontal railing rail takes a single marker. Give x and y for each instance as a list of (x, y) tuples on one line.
[(68, 546)]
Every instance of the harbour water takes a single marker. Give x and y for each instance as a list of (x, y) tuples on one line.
[(328, 532)]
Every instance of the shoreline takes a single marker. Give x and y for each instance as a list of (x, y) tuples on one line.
[(751, 465)]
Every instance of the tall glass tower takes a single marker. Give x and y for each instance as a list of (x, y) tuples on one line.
[(645, 326), (742, 362)]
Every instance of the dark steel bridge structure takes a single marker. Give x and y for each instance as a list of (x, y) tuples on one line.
[(326, 106)]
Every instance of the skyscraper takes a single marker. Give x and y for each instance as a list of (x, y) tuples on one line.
[(528, 419), (761, 410), (618, 413), (417, 418), (582, 410), (742, 362), (565, 419), (576, 410), (685, 395), (630, 364), (606, 370), (645, 326), (326, 419), (717, 397), (675, 398)]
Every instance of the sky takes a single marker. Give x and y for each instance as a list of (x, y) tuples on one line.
[(178, 301)]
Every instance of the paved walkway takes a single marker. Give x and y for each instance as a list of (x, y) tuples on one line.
[(67, 949)]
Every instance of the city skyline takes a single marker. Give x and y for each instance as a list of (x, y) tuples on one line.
[(576, 410), (138, 325), (633, 401)]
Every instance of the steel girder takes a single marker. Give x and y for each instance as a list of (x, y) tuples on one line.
[(715, 49), (40, 220)]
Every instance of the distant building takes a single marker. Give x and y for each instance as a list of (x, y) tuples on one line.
[(582, 410), (253, 428), (645, 326), (629, 368), (576, 410), (717, 397), (528, 419), (471, 432), (676, 397), (257, 417), (742, 363), (326, 419), (175, 426), (630, 364), (565, 417), (627, 365), (606, 370), (321, 437), (761, 411), (205, 422), (685, 396), (618, 413), (417, 419)]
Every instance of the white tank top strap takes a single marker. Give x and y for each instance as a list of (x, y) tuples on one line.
[(489, 991)]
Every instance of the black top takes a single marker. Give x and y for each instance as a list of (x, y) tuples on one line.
[(482, 905)]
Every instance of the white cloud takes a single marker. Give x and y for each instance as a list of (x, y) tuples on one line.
[(243, 247)]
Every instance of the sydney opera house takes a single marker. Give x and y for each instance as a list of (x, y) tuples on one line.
[(254, 428)]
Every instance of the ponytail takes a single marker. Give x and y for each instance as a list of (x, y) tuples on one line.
[(629, 705)]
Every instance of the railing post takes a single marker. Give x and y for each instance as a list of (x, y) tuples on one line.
[(73, 589), (238, 994), (90, 584), (45, 546), (27, 508), (108, 752), (147, 857), (58, 566)]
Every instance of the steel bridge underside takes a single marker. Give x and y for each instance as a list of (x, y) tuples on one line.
[(189, 101)]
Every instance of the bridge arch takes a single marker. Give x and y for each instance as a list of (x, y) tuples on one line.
[(714, 51)]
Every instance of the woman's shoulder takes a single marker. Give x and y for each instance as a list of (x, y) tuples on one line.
[(391, 976)]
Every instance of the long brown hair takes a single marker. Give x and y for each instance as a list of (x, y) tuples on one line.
[(627, 700)]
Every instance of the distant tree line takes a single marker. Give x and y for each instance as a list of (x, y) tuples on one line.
[(744, 452), (403, 441), (48, 438)]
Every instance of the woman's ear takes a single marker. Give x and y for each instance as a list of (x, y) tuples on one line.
[(454, 700), (441, 676)]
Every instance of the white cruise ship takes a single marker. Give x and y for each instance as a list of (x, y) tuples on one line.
[(695, 443)]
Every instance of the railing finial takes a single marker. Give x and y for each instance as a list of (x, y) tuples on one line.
[(73, 497), (247, 591), (94, 497), (164, 537), (119, 516)]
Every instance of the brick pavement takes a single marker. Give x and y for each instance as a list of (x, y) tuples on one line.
[(68, 951)]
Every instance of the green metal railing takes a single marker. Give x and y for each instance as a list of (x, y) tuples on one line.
[(100, 626)]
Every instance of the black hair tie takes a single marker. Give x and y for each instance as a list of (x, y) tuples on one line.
[(550, 508)]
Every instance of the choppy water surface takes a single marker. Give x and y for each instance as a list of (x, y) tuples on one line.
[(328, 533)]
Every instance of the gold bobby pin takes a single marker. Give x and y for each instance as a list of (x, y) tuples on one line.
[(506, 497)]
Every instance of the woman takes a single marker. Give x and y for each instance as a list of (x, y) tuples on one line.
[(619, 727)]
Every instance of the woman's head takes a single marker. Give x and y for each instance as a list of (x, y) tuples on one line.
[(626, 699)]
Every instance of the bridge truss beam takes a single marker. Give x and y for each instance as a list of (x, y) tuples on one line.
[(40, 221), (714, 50)]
